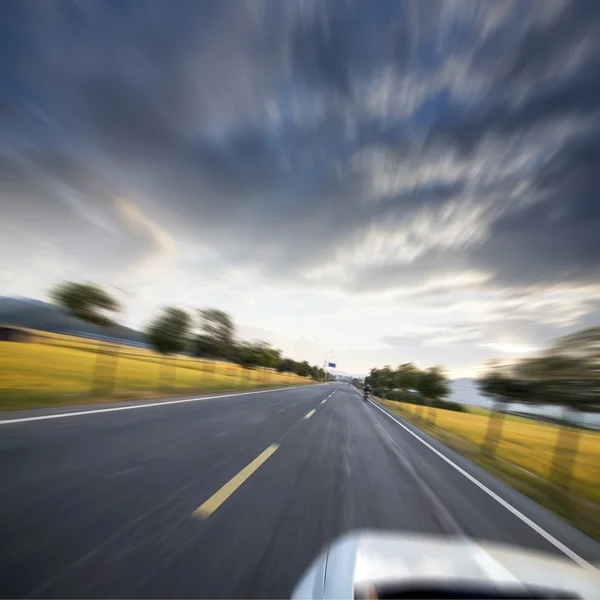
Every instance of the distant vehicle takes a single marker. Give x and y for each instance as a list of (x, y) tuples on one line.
[(370, 565)]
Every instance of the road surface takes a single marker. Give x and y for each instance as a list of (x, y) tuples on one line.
[(232, 496)]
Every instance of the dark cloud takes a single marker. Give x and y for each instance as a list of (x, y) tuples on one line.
[(555, 238), (391, 143)]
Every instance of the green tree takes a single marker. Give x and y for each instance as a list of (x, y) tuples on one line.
[(258, 354), (245, 355), (565, 377), (407, 377), (287, 365), (92, 304), (374, 379), (269, 357), (303, 369), (86, 301), (204, 345), (501, 385), (168, 334), (579, 358), (217, 336), (382, 380), (319, 373), (432, 384)]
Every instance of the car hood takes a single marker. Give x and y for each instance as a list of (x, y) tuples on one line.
[(366, 558)]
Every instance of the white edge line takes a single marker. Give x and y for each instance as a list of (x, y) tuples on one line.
[(137, 406), (547, 536)]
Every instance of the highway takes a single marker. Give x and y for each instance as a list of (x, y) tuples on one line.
[(232, 496)]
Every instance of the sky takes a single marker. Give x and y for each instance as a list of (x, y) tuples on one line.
[(371, 182)]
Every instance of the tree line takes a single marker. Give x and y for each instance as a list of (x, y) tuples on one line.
[(407, 383), (211, 335), (566, 375)]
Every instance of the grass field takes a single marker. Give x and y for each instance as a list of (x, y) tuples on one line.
[(55, 369), (525, 450)]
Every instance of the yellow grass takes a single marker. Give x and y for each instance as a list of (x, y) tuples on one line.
[(56, 365), (525, 443)]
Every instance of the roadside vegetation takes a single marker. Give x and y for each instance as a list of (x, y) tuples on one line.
[(524, 459), (55, 371), (558, 465), (184, 355)]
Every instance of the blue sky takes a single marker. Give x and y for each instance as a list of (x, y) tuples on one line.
[(380, 181)]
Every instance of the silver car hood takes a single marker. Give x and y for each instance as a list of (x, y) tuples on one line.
[(369, 557)]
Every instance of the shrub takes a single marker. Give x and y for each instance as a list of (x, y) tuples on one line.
[(447, 405)]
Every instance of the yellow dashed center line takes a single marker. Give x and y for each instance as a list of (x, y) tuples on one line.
[(209, 507), (323, 402), (310, 414)]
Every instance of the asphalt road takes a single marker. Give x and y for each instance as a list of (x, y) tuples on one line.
[(170, 501)]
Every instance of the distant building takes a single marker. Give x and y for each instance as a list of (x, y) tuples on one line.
[(12, 333)]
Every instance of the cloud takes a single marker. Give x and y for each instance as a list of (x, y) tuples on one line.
[(511, 347), (410, 153), (436, 335), (162, 250)]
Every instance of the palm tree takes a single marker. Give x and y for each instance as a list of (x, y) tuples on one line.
[(92, 304)]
